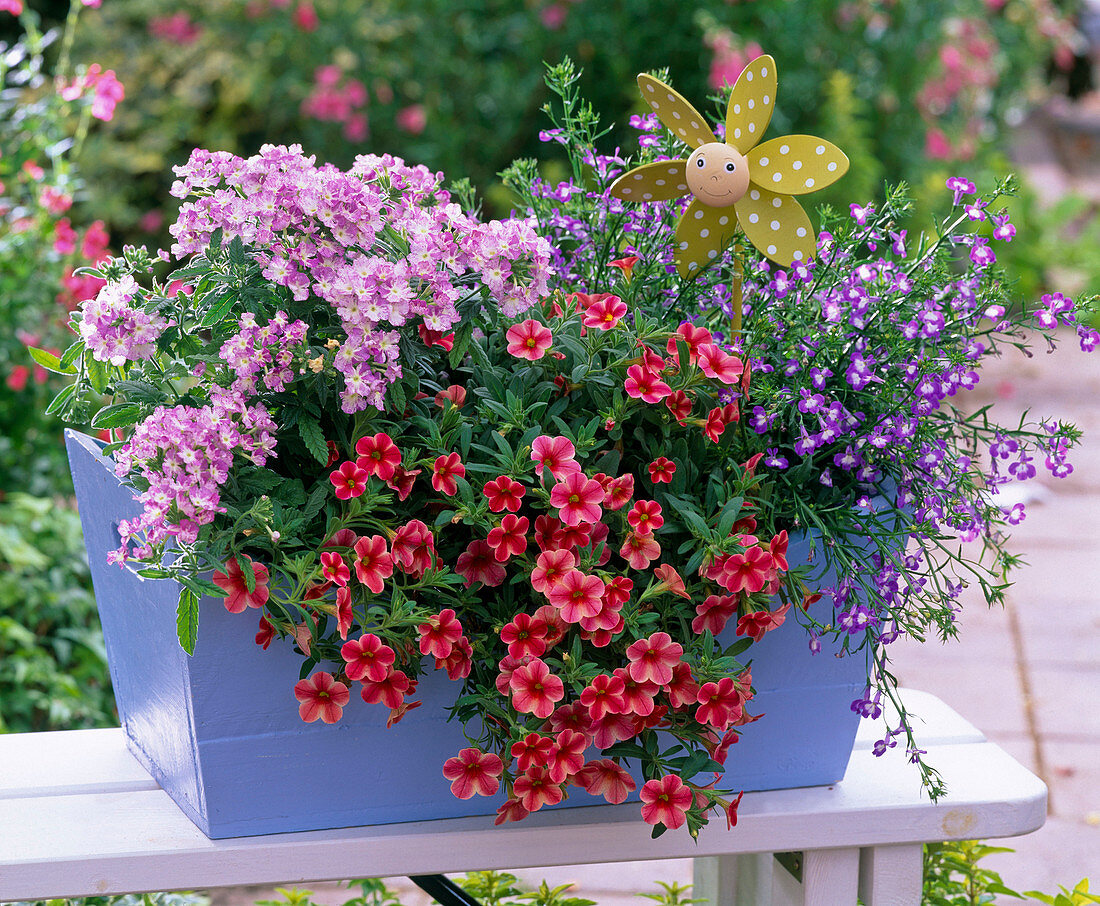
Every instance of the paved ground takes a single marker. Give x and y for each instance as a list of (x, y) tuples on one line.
[(1028, 677)]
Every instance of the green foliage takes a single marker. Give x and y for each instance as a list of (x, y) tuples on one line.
[(53, 668), (40, 136), (130, 899), (235, 75)]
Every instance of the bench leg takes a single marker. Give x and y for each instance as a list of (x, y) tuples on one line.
[(744, 880), (830, 877), (891, 875)]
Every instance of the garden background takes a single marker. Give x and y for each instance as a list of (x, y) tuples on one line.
[(99, 100)]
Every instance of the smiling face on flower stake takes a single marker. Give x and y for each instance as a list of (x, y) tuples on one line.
[(736, 182)]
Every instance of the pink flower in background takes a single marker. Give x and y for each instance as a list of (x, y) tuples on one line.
[(305, 17), (412, 119), (95, 4), (177, 28), (553, 16), (15, 7), (728, 59), (106, 90)]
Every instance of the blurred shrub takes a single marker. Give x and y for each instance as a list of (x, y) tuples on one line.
[(53, 667), (43, 121), (457, 84)]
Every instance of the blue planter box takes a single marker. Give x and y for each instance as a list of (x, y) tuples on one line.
[(221, 734)]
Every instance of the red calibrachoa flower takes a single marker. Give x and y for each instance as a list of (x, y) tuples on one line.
[(653, 660), (350, 480), (509, 539), (666, 801), (670, 580), (473, 773), (459, 662), (504, 494), (714, 613), (556, 454), (604, 313), (436, 338), (640, 550), (373, 563), (266, 634), (532, 751), (777, 547), (566, 755), (478, 563), (645, 517), (578, 499), (577, 596), (626, 265), (512, 810), (535, 690), (643, 384), (683, 691), (455, 393), (661, 470), (679, 404), (367, 658), (402, 481), (716, 364), (413, 548), (637, 697), (534, 789), (619, 491), (549, 569), (603, 777), (529, 340), (445, 470), (390, 690), (232, 582), (378, 455), (603, 696), (718, 418), (334, 568), (321, 697), (756, 624), (719, 703), (439, 634), (345, 615), (573, 716), (749, 571), (525, 636), (691, 335)]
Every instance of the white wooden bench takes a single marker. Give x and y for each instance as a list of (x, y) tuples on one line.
[(78, 816)]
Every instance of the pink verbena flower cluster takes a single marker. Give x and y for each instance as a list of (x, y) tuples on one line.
[(263, 351), (381, 243), (184, 454), (114, 330)]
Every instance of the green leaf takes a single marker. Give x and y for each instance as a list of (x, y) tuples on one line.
[(49, 361), (729, 515), (61, 400), (462, 341), (313, 437), (187, 620), (217, 312), (119, 415), (97, 372), (71, 355)]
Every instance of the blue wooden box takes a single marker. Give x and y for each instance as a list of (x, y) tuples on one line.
[(220, 731)]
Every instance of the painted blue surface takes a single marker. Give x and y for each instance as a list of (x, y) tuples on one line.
[(221, 734)]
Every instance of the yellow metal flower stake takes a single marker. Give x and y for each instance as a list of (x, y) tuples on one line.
[(737, 185)]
